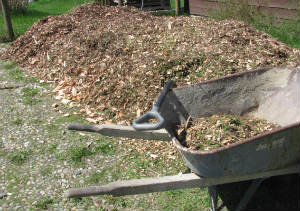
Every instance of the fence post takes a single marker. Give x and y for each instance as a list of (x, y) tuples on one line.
[(7, 21)]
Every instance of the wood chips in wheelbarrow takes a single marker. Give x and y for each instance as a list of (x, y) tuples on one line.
[(212, 132)]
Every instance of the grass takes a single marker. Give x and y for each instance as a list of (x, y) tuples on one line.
[(287, 31), (18, 157), (77, 153), (9, 65), (44, 203), (52, 148), (186, 199), (104, 146), (29, 96), (46, 171), (37, 10), (71, 118), (18, 122), (96, 177), (16, 75)]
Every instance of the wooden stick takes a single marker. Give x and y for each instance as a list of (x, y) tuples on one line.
[(122, 131), (149, 185)]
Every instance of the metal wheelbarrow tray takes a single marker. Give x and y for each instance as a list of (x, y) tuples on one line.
[(270, 93)]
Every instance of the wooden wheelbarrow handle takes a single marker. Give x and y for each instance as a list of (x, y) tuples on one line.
[(122, 131), (159, 184)]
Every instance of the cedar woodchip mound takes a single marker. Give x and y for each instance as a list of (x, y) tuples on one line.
[(113, 61)]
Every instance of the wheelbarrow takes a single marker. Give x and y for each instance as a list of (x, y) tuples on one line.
[(272, 94)]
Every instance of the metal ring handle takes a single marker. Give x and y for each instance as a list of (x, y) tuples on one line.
[(139, 123)]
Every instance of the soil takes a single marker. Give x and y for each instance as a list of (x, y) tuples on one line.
[(208, 133), (113, 61)]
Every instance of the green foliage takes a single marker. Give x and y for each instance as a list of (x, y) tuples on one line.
[(104, 147), (71, 118), (44, 203), (3, 153), (235, 9), (17, 122), (169, 13), (46, 171), (16, 75), (186, 199), (95, 177), (37, 10), (29, 96), (52, 148), (76, 153), (9, 65), (286, 31), (18, 157)]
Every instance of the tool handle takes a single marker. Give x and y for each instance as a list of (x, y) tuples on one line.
[(163, 94), (121, 131), (141, 122)]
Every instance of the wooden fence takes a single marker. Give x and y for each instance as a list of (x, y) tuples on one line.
[(150, 4), (283, 9)]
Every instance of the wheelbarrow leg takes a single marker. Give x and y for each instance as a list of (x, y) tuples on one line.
[(213, 198), (249, 193)]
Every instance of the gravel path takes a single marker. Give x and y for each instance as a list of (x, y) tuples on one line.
[(35, 169), (40, 158)]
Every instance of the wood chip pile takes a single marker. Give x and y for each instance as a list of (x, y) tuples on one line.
[(113, 61), (212, 132)]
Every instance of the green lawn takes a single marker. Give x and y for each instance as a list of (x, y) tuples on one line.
[(288, 32), (40, 9)]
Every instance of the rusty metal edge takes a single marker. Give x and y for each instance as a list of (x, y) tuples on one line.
[(235, 75), (181, 147)]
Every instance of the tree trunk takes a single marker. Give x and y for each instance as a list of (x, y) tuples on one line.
[(7, 21), (177, 6)]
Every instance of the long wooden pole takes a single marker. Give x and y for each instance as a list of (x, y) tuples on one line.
[(149, 185), (7, 21)]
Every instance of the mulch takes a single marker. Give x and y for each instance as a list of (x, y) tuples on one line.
[(113, 61), (207, 133)]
